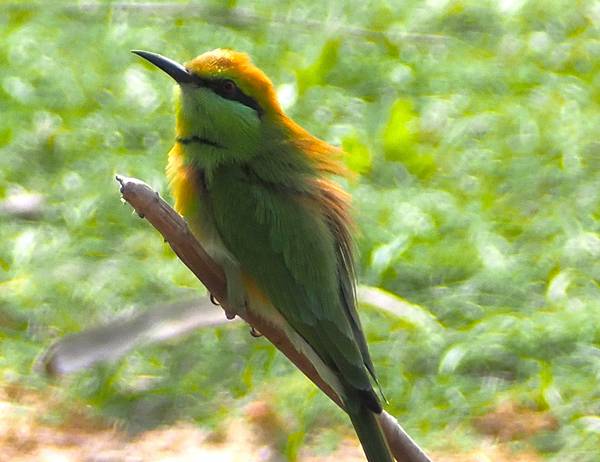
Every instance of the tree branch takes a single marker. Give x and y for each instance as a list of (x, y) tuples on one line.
[(148, 204)]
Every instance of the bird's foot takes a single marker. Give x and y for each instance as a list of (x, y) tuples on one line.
[(228, 313), (255, 333)]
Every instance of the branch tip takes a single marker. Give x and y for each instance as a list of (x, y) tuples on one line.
[(121, 181)]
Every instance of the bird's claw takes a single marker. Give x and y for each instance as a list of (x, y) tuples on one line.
[(255, 333), (230, 314)]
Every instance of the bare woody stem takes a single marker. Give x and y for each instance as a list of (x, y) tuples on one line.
[(148, 204)]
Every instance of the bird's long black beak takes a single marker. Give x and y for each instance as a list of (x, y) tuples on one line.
[(179, 73)]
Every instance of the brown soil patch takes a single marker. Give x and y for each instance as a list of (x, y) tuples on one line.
[(27, 434), (510, 421)]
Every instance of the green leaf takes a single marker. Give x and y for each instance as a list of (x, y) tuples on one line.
[(359, 157), (410, 314), (400, 140)]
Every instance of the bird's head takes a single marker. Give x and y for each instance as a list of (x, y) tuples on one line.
[(228, 107), (224, 99)]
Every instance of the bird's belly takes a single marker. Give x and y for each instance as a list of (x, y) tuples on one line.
[(185, 182), (204, 230)]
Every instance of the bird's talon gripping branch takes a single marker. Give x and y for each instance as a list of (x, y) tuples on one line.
[(255, 333), (230, 314)]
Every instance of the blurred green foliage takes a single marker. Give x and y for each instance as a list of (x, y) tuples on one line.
[(474, 128)]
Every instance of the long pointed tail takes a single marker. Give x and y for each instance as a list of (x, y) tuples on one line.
[(370, 433)]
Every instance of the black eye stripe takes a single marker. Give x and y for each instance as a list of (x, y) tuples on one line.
[(217, 85)]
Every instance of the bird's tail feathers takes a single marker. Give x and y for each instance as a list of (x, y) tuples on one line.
[(369, 432)]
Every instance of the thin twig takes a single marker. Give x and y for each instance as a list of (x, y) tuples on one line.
[(148, 204)]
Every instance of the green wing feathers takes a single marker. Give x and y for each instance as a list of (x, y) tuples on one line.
[(296, 245), (300, 257), (334, 202)]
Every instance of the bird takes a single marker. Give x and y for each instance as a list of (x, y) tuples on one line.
[(259, 192)]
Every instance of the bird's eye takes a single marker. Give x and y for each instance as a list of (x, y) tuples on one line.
[(228, 88)]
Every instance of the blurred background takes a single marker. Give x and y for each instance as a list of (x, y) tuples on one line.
[(473, 127)]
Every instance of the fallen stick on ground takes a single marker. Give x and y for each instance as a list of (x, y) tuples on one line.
[(114, 339)]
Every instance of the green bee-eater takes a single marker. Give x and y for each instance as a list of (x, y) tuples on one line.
[(255, 188)]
